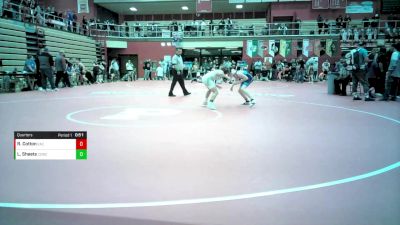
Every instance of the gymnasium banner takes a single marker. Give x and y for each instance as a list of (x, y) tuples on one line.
[(252, 48), (331, 47), (306, 44), (260, 48), (83, 6), (317, 47), (285, 48), (320, 4), (271, 48), (360, 7), (337, 4), (203, 6)]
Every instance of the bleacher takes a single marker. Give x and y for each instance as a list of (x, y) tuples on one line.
[(13, 48), (73, 45)]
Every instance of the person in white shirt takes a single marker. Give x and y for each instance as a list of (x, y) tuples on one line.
[(114, 69), (177, 73), (129, 68), (160, 72), (210, 81), (325, 69)]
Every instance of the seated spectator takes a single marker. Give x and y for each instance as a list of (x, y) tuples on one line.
[(339, 22), (30, 64), (343, 79)]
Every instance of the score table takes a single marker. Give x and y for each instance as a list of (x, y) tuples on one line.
[(50, 145)]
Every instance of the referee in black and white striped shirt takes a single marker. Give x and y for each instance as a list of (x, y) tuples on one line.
[(177, 73)]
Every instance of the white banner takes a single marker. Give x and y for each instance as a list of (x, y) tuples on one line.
[(83, 6)]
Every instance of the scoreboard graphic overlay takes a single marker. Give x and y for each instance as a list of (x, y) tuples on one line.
[(50, 145)]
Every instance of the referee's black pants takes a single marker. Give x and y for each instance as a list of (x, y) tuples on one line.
[(177, 78)]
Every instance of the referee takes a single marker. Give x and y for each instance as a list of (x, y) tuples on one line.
[(177, 73)]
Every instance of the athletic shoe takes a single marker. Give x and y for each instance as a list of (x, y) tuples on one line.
[(204, 103), (48, 90), (172, 95), (246, 103), (188, 93), (369, 99), (211, 106), (356, 98), (252, 103), (40, 89)]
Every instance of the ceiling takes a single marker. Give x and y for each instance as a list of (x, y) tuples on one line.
[(148, 7)]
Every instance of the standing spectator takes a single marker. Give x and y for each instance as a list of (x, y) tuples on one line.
[(346, 21), (301, 70), (297, 23), (85, 25), (344, 35), (383, 63), (114, 69), (96, 71), (46, 68), (160, 71), (211, 28), (61, 66), (74, 22), (326, 26), (393, 75), (320, 23), (359, 60), (203, 26), (177, 73), (283, 29), (375, 21), (129, 68), (147, 70), (257, 68), (70, 19), (339, 22)]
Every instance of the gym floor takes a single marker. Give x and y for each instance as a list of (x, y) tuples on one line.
[(299, 156)]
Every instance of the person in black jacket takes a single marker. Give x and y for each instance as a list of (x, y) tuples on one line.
[(46, 64)]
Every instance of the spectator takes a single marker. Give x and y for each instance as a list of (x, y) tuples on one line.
[(393, 75), (203, 26), (114, 69), (147, 70), (359, 60), (346, 21), (160, 71), (283, 29), (325, 67), (320, 23), (339, 22), (326, 26), (343, 79), (7, 10), (257, 68), (297, 23), (46, 68), (70, 19), (85, 25), (129, 68), (30, 64), (375, 21), (365, 22), (96, 72), (61, 67)]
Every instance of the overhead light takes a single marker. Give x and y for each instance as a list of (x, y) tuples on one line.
[(133, 9), (239, 6), (185, 8)]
